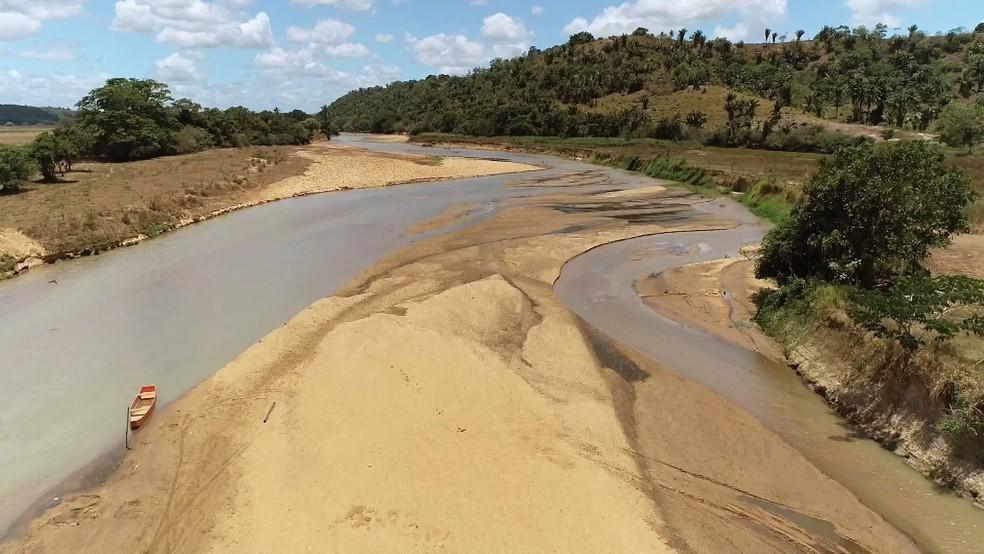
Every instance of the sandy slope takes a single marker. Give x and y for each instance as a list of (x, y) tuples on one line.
[(447, 401), (341, 167)]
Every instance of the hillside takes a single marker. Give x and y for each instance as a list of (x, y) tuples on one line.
[(31, 115), (672, 85)]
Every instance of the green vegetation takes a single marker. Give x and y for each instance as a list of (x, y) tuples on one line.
[(962, 125), (871, 214), (619, 86), (136, 119), (11, 114), (15, 168), (849, 261)]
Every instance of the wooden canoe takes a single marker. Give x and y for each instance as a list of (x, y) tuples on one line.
[(143, 405)]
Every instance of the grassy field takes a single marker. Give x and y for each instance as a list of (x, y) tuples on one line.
[(20, 135), (100, 204)]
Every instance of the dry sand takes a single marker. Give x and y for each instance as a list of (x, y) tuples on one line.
[(342, 168), (447, 401)]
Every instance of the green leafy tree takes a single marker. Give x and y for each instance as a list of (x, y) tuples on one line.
[(961, 125), (917, 310), (130, 118), (16, 167), (871, 214), (51, 154)]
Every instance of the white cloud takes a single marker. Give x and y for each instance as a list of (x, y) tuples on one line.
[(326, 31), (734, 34), (346, 50), (16, 26), (536, 10), (352, 5), (502, 28), (55, 55), (178, 68), (477, 3), (872, 12), (20, 19), (508, 35), (194, 23), (667, 14), (452, 54), (56, 89), (302, 62), (384, 38)]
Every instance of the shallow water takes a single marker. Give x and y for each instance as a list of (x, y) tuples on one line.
[(175, 309), (599, 286)]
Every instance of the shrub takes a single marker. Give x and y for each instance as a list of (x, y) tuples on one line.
[(16, 167), (667, 128), (191, 139), (810, 138)]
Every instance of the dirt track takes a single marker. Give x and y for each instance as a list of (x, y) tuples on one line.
[(447, 400)]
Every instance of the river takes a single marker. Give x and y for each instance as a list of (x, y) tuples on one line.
[(175, 309)]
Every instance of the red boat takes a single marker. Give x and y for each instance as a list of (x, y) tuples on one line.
[(143, 405)]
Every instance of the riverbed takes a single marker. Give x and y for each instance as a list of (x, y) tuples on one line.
[(176, 309)]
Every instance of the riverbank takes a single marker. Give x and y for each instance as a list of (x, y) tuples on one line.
[(850, 369), (102, 206), (481, 416), (769, 182)]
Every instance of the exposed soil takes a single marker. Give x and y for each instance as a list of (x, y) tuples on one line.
[(447, 400)]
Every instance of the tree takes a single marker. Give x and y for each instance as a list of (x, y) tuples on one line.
[(583, 37), (682, 35), (799, 34), (15, 168), (918, 309), (871, 214), (51, 154), (698, 38), (775, 35), (130, 118), (961, 124), (768, 33), (640, 32)]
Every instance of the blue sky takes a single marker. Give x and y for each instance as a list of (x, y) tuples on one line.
[(303, 53)]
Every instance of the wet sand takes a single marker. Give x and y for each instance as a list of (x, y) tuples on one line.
[(446, 399)]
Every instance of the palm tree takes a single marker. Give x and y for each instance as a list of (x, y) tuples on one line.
[(774, 36), (698, 39), (799, 34), (912, 30), (682, 34), (768, 33)]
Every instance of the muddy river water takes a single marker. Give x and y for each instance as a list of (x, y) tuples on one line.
[(174, 310)]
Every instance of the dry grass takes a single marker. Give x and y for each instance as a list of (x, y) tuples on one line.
[(20, 135), (101, 204)]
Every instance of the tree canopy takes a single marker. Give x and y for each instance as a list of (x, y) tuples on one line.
[(871, 213), (609, 86)]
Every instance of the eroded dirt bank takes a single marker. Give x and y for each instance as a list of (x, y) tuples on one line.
[(447, 400), (835, 360)]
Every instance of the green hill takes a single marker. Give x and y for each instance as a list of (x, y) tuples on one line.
[(31, 115), (675, 84)]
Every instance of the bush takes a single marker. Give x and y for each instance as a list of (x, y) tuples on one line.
[(667, 128), (870, 214), (961, 125), (191, 139), (16, 167), (810, 138)]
